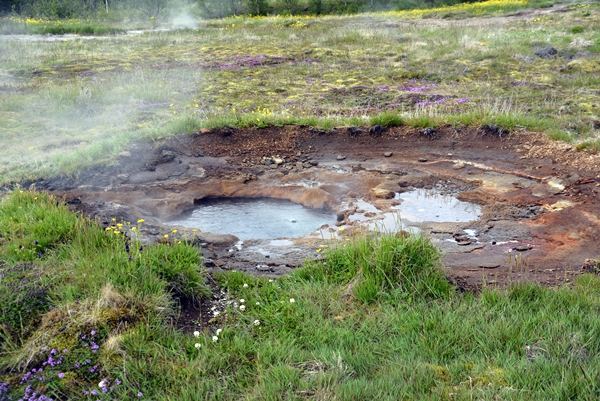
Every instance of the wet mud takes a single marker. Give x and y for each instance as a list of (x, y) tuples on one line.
[(539, 217)]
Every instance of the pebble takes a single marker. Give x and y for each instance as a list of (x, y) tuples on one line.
[(388, 154), (422, 159), (340, 157), (522, 248), (489, 265)]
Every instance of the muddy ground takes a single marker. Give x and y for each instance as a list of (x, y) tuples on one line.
[(540, 217)]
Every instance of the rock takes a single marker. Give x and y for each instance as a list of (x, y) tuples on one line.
[(591, 266), (313, 163), (299, 165), (216, 239), (267, 161), (125, 154), (546, 52), (458, 165), (523, 247), (381, 193), (422, 159), (278, 160), (377, 130), (430, 133), (493, 130), (467, 241), (588, 66), (489, 265), (204, 131), (340, 157), (123, 177), (388, 154), (354, 131)]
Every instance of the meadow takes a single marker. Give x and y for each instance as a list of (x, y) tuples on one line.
[(91, 313), (71, 102)]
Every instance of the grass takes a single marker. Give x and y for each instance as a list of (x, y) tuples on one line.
[(87, 315), (75, 102)]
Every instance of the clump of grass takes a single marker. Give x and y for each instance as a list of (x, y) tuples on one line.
[(379, 265)]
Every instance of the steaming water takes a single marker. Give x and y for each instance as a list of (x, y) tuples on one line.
[(262, 218)]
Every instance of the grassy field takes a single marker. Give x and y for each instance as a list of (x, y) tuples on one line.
[(71, 102), (89, 313)]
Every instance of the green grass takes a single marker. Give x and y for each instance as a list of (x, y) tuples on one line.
[(372, 318)]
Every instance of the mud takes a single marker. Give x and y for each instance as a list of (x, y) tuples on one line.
[(539, 221)]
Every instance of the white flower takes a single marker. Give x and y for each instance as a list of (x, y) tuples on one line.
[(196, 334), (242, 301), (219, 331), (258, 303), (270, 280), (245, 285), (292, 300), (215, 339), (217, 313), (257, 322), (102, 384), (242, 307), (197, 345)]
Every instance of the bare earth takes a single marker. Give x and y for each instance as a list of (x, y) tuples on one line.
[(540, 211)]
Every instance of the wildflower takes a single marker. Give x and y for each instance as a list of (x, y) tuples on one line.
[(292, 300), (197, 345), (61, 375), (166, 235), (139, 394), (113, 219), (341, 228), (215, 339), (219, 331), (245, 285), (133, 228), (196, 334), (257, 322), (258, 303), (102, 384), (270, 280), (117, 382), (35, 242), (173, 231), (39, 255), (242, 307), (141, 220), (242, 301), (195, 230)]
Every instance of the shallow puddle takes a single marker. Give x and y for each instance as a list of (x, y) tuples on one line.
[(428, 205), (262, 218)]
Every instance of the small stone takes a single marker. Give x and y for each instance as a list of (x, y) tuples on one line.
[(204, 131), (524, 247), (422, 159), (489, 265), (458, 166), (388, 154), (123, 177), (313, 163), (125, 154), (340, 157), (464, 242)]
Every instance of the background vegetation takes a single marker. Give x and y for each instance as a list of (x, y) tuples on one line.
[(121, 9)]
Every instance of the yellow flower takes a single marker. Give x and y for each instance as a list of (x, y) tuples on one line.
[(141, 220), (341, 228), (178, 242), (195, 230), (133, 228), (174, 231), (114, 219), (166, 235)]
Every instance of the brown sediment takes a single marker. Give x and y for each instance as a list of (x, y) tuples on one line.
[(540, 213)]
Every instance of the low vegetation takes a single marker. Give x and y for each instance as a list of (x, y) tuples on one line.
[(88, 313), (73, 102)]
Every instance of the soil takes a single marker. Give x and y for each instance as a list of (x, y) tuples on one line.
[(540, 215)]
